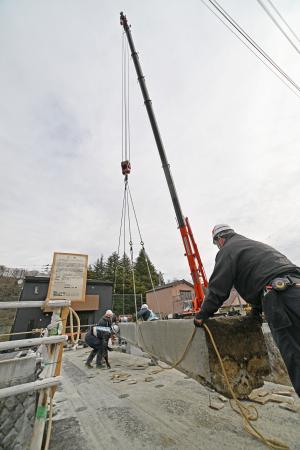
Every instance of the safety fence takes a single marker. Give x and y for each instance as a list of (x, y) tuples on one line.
[(49, 352)]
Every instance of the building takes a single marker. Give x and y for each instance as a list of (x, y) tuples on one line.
[(97, 300), (171, 298)]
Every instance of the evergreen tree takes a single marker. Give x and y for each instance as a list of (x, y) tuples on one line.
[(99, 269), (143, 281)]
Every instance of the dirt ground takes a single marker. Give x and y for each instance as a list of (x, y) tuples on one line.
[(94, 410)]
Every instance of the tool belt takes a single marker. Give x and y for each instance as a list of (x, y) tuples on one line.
[(281, 284)]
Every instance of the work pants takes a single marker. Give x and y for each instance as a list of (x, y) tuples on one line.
[(98, 349), (282, 312)]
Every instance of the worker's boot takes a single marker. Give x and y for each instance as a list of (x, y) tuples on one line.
[(88, 365), (100, 366)]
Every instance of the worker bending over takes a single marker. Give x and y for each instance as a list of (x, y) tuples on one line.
[(267, 280), (97, 338), (146, 314)]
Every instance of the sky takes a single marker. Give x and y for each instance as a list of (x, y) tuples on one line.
[(230, 129)]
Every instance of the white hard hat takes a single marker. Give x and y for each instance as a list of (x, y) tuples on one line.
[(115, 328), (109, 313), (220, 228), (145, 306)]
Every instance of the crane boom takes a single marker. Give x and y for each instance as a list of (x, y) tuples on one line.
[(191, 250)]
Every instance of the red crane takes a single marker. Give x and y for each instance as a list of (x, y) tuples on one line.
[(191, 249)]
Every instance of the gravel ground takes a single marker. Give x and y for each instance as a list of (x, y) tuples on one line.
[(95, 410)]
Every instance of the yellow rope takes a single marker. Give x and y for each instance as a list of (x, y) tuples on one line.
[(248, 413), (74, 313), (243, 410)]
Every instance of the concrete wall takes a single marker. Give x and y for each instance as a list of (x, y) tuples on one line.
[(17, 412)]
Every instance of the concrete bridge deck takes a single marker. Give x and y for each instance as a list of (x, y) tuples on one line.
[(170, 411)]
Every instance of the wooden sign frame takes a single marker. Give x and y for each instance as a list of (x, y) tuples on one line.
[(68, 277)]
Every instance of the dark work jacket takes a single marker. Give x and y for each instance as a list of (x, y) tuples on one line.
[(248, 266), (144, 314), (104, 322)]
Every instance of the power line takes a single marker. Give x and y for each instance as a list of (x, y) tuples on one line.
[(278, 25), (239, 29), (284, 21), (251, 41)]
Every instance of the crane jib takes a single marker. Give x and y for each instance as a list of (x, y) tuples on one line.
[(196, 267)]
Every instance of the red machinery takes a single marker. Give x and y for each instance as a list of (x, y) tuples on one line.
[(191, 249)]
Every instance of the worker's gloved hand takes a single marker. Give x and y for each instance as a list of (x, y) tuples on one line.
[(198, 322)]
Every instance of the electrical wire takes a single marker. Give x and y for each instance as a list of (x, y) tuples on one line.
[(283, 20), (278, 25), (249, 48)]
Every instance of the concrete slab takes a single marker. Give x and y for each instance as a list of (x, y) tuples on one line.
[(239, 340)]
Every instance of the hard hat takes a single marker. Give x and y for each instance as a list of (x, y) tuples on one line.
[(145, 306), (220, 228), (115, 328), (109, 313)]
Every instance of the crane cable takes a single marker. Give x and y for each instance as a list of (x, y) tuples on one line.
[(126, 168), (145, 255)]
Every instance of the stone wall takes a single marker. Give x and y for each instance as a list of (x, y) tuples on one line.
[(17, 412)]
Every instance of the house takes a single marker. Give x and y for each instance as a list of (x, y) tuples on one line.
[(171, 298), (98, 299)]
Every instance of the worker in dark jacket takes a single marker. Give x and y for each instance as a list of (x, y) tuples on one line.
[(267, 280), (146, 314), (97, 338)]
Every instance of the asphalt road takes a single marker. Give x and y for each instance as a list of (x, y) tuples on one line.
[(94, 410)]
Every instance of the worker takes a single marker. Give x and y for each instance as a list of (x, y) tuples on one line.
[(97, 338), (267, 280), (146, 314)]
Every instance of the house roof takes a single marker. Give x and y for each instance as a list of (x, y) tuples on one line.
[(38, 280), (173, 283)]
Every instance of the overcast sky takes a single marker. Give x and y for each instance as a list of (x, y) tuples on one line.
[(230, 129)]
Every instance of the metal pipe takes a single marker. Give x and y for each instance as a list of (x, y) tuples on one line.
[(155, 129), (35, 304), (30, 387), (22, 343)]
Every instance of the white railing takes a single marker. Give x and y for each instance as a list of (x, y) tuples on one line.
[(51, 373)]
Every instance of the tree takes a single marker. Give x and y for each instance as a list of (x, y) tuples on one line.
[(99, 269), (143, 266)]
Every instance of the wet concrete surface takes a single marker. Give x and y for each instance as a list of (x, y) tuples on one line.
[(95, 410)]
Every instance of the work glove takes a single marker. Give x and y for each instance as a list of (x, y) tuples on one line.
[(198, 322)]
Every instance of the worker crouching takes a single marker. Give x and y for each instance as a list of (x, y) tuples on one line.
[(97, 338)]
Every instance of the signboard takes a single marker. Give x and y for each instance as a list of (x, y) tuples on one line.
[(68, 277)]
